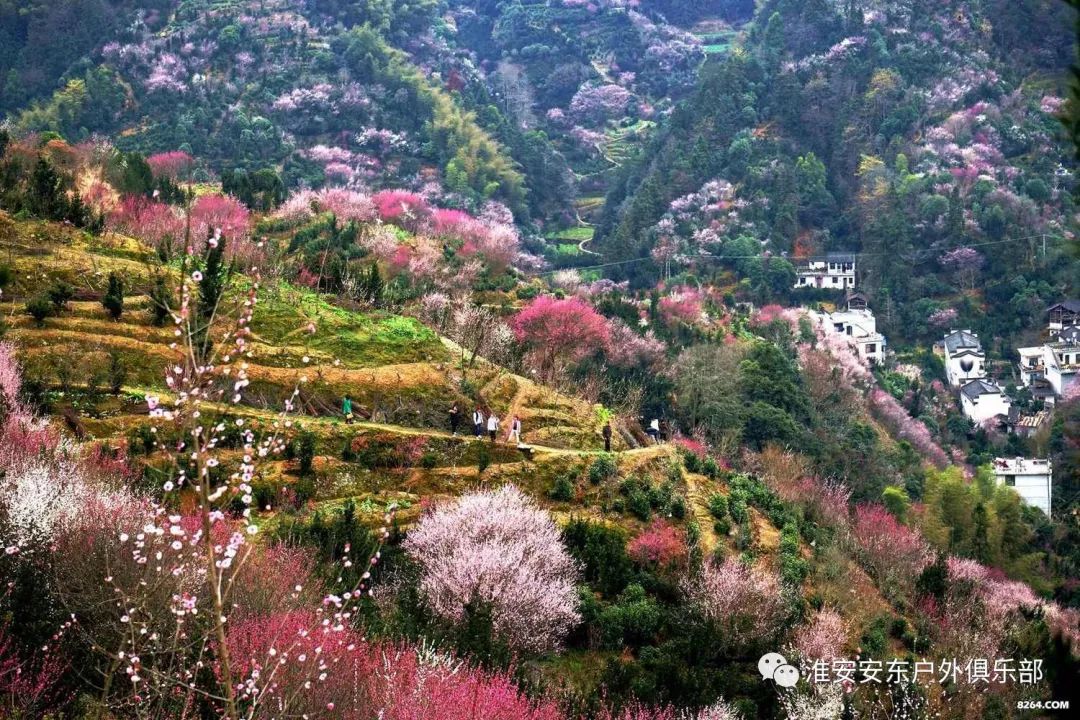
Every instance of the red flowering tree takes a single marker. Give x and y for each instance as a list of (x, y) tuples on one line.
[(224, 213), (556, 332), (174, 165), (892, 552), (662, 546), (497, 549)]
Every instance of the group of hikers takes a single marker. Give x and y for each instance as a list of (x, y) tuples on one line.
[(483, 419)]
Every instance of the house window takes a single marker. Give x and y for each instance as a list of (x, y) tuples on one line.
[(871, 348), (1010, 480), (966, 365)]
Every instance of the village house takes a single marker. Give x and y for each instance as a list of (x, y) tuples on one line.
[(964, 357), (1026, 425), (982, 400), (1030, 478), (859, 325), (833, 271), (1049, 369), (1063, 315)]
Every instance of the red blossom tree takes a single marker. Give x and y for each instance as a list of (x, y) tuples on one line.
[(224, 213), (173, 165), (560, 331), (662, 545), (891, 551)]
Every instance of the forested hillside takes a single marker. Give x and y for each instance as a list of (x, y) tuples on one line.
[(539, 359)]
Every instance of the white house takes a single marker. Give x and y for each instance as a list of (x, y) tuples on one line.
[(834, 271), (1032, 479), (1053, 364), (860, 327), (964, 357), (982, 400)]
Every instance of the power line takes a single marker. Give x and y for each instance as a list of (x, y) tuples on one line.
[(758, 257)]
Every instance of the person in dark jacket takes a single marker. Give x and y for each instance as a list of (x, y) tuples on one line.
[(607, 436), (455, 418)]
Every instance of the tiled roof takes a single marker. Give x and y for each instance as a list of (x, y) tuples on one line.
[(961, 339), (976, 388)]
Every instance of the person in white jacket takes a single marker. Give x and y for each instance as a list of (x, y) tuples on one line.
[(654, 430), (493, 426), (515, 430), (478, 422)]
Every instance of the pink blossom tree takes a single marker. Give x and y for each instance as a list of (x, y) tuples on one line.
[(746, 602), (822, 637), (965, 262), (497, 548), (560, 331)]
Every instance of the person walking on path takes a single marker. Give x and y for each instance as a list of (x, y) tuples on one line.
[(346, 409), (455, 418), (478, 422), (607, 436), (493, 426), (654, 430), (515, 431)]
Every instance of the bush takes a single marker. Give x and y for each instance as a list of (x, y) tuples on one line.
[(117, 372), (113, 301), (305, 451), (718, 506), (602, 468), (39, 308), (304, 489), (59, 295), (563, 490), (678, 507), (429, 460), (710, 468), (483, 456), (638, 503), (347, 453)]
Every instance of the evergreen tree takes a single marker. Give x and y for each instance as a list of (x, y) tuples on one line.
[(113, 301)]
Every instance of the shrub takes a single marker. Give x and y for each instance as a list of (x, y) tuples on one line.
[(718, 506), (563, 490), (59, 294), (602, 468), (113, 300), (600, 550), (678, 507), (39, 308), (305, 451), (429, 460), (483, 456), (117, 372), (638, 504), (710, 468)]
